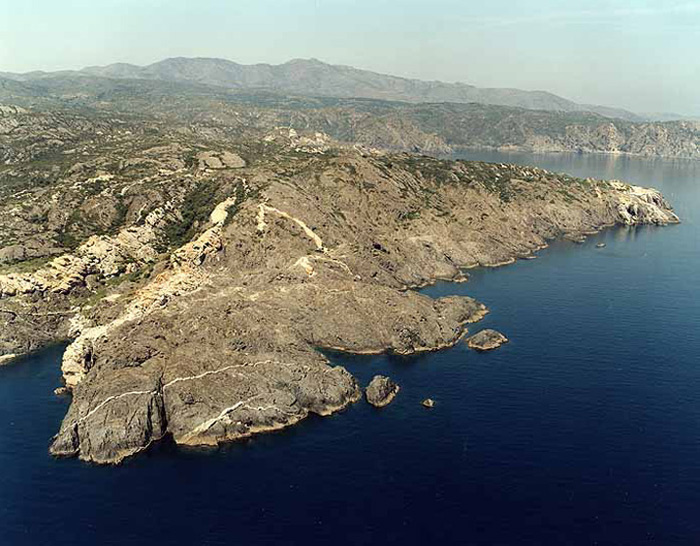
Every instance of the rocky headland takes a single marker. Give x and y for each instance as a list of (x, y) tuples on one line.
[(198, 276)]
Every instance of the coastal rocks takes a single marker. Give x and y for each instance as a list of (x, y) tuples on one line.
[(637, 205), (428, 403), (248, 281), (381, 391), (6, 359), (486, 340), (87, 432), (600, 245), (205, 397), (229, 366)]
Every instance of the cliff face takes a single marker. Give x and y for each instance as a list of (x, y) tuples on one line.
[(199, 310)]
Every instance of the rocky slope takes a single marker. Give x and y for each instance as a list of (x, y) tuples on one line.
[(197, 274), (215, 112)]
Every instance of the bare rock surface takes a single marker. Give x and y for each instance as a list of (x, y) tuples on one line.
[(381, 391), (486, 340), (198, 291), (220, 160)]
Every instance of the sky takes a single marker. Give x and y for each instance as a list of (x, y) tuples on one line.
[(643, 55)]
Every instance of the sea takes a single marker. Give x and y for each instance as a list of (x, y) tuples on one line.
[(583, 430)]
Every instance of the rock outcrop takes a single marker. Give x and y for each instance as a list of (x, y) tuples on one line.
[(200, 310), (486, 340), (220, 160), (381, 391), (6, 359)]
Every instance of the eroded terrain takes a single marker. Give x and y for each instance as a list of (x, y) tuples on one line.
[(197, 275)]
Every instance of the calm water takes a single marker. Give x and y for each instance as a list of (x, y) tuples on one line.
[(584, 430)]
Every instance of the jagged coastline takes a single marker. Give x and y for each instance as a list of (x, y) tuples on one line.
[(215, 338)]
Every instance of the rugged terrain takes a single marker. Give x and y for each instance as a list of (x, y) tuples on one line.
[(312, 77), (434, 128), (199, 264)]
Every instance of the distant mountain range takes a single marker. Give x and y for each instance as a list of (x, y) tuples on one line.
[(312, 77)]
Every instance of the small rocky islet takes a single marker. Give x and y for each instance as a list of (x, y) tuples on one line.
[(486, 340), (381, 391), (198, 272)]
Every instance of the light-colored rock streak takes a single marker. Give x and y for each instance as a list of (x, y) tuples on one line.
[(224, 414), (168, 384), (305, 261), (101, 254), (642, 205), (206, 425), (110, 399), (310, 233), (185, 276), (220, 212), (4, 359), (214, 372)]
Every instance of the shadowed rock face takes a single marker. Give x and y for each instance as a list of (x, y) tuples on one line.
[(381, 391), (215, 332), (486, 340)]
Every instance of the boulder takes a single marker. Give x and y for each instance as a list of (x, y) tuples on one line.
[(381, 391)]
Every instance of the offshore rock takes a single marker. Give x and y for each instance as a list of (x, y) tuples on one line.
[(486, 340), (381, 391)]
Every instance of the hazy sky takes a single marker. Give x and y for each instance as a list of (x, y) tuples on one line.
[(641, 54)]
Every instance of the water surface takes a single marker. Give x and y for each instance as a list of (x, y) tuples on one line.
[(584, 429)]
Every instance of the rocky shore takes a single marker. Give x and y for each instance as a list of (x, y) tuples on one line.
[(200, 311)]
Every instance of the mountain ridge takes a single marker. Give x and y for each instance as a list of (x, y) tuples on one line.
[(315, 77)]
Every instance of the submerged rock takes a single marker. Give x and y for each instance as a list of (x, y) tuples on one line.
[(381, 391), (486, 340)]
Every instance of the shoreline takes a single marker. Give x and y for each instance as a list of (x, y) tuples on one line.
[(529, 151), (243, 292)]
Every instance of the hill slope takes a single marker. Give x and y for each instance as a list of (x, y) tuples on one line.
[(313, 77)]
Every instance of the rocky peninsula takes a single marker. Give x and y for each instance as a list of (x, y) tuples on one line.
[(198, 276)]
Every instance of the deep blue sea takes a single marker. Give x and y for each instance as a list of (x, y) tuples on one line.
[(583, 430)]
